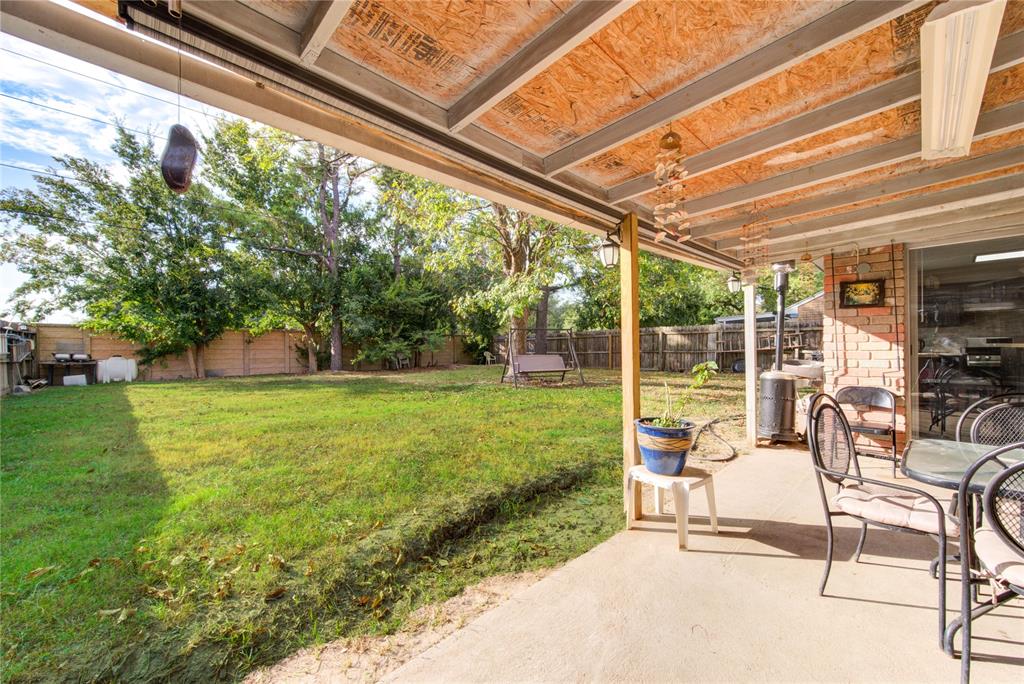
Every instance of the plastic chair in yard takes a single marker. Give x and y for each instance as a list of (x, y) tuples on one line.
[(994, 552), (888, 505), (873, 398), (488, 358)]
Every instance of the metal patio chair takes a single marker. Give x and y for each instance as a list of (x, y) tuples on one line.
[(966, 419), (873, 398), (888, 505), (998, 425), (994, 552)]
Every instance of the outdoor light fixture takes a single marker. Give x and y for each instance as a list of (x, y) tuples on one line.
[(609, 251), (999, 256), (734, 283), (957, 42)]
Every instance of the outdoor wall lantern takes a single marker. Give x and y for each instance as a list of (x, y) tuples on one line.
[(734, 283), (609, 251)]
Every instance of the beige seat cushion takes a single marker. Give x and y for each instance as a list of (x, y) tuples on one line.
[(998, 557), (893, 507)]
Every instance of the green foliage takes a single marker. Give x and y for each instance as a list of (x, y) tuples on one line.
[(806, 280), (702, 373), (508, 254), (143, 263)]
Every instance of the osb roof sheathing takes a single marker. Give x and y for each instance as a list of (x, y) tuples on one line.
[(870, 177), (649, 51), (1003, 88), (439, 49), (871, 59)]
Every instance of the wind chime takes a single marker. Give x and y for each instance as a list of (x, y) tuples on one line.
[(669, 173), (755, 251), (182, 150)]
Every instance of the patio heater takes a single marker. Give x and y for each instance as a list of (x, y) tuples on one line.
[(777, 399)]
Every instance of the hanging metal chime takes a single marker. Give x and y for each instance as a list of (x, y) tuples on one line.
[(669, 172)]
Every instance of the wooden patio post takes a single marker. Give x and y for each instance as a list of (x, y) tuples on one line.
[(750, 361), (629, 274)]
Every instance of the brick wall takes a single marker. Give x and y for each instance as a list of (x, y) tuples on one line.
[(864, 346)]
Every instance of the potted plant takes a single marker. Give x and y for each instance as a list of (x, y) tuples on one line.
[(665, 440)]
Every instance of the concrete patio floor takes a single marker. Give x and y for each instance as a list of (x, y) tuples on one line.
[(739, 606)]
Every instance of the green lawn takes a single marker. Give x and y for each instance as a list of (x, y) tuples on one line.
[(194, 530)]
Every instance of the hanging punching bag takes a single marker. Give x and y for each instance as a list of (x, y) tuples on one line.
[(179, 159)]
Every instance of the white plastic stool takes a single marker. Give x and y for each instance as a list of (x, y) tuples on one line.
[(680, 485)]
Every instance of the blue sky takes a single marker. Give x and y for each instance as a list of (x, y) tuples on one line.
[(52, 105)]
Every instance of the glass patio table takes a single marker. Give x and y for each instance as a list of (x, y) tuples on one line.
[(942, 462)]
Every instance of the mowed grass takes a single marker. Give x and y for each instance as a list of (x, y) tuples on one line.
[(195, 530)]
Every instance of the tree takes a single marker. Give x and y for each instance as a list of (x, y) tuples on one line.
[(521, 253), (144, 264), (806, 280), (305, 222)]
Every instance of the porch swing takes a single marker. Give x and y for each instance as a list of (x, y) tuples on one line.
[(538, 358)]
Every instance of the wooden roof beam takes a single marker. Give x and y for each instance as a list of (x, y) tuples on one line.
[(899, 91), (327, 16), (984, 192), (995, 122), (577, 25), (998, 216), (832, 29)]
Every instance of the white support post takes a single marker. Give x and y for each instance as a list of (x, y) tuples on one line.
[(750, 361)]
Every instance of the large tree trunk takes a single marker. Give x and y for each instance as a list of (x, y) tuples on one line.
[(541, 345), (196, 356), (335, 338), (311, 350), (520, 331)]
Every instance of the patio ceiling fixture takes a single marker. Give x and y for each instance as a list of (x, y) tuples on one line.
[(734, 283), (669, 173), (958, 40), (609, 250)]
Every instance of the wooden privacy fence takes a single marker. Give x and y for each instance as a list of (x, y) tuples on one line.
[(681, 348), (234, 353)]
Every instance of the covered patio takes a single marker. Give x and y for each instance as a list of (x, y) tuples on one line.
[(738, 606), (804, 137)]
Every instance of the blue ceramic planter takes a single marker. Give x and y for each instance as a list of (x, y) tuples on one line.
[(664, 450)]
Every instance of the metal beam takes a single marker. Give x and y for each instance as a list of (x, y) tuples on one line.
[(832, 29), (575, 26), (995, 122), (994, 216), (899, 91), (327, 16), (984, 192), (890, 186)]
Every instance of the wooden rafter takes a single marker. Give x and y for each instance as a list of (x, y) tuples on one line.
[(985, 192), (996, 216), (575, 26), (996, 122), (899, 91), (321, 26), (832, 29)]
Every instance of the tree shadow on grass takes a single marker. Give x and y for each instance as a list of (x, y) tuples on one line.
[(80, 489)]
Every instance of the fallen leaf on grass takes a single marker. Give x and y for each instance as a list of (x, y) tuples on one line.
[(178, 560), (363, 600), (165, 594), (125, 614), (80, 575), (276, 561), (223, 590), (147, 565), (107, 612), (275, 593), (309, 570), (39, 572)]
